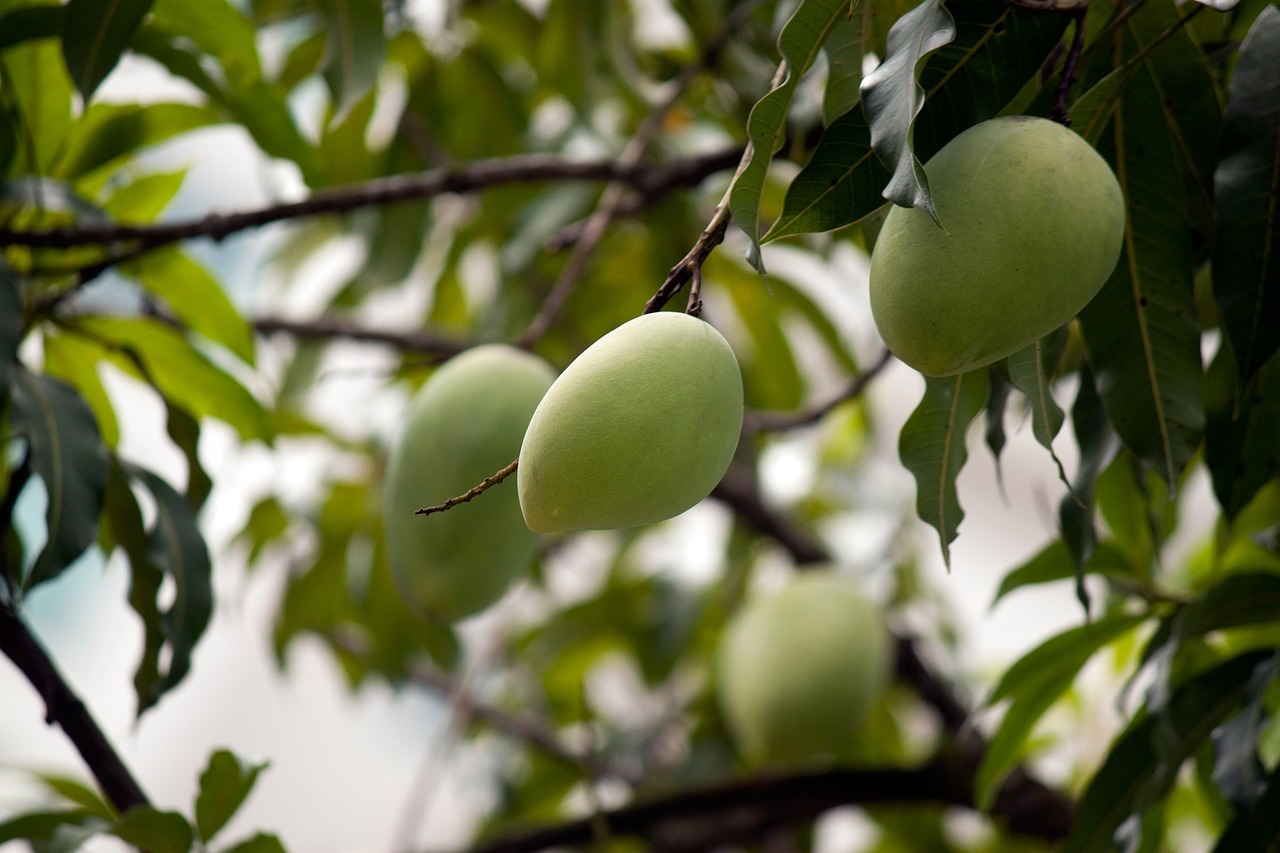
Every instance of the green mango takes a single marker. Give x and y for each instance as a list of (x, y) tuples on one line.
[(639, 428), (465, 423), (796, 672), (1032, 222)]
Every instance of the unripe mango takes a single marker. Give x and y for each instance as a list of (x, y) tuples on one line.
[(640, 427), (1034, 221), (465, 423), (797, 671)]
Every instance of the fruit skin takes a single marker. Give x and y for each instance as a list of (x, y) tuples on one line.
[(1035, 219), (640, 427), (463, 424), (798, 670)]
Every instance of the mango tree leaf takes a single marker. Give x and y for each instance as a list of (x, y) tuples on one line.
[(1138, 771), (30, 23), (892, 99), (1098, 446), (1033, 684), (107, 133), (162, 356), (67, 453), (1238, 600), (1257, 828), (1141, 329), (1246, 250), (37, 84), (154, 830), (261, 842), (997, 49), (144, 197), (95, 35), (75, 791), (799, 43), (1238, 771), (224, 785), (994, 435), (354, 49), (1240, 428), (75, 360), (1031, 372), (932, 447), (1056, 562), (10, 325), (41, 825), (845, 47), (196, 298)]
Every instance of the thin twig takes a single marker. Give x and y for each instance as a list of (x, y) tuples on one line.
[(483, 486), (326, 328), (682, 273), (773, 421), (1059, 111)]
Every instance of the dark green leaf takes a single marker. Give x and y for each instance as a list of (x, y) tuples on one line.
[(1098, 446), (107, 133), (144, 197), (1031, 372), (67, 453), (1257, 828), (154, 830), (1240, 428), (893, 98), (260, 843), (10, 325), (80, 794), (36, 82), (224, 785), (1142, 765), (996, 51), (1237, 771), (95, 34), (30, 23), (1246, 250), (185, 432), (932, 447), (799, 43), (1141, 329), (41, 825), (355, 49), (996, 404), (75, 361), (845, 47)]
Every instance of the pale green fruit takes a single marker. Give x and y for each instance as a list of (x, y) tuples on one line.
[(1034, 221), (463, 424), (797, 671), (638, 428)]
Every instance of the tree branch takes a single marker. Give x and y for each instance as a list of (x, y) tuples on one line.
[(327, 328), (64, 707), (475, 491), (772, 421)]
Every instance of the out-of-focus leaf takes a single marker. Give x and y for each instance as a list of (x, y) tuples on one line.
[(144, 198), (184, 430), (195, 297), (75, 361), (772, 379), (261, 842), (1142, 763), (154, 830), (893, 98), (1141, 329), (800, 42), (41, 825), (1033, 684), (1237, 771), (1238, 600), (10, 325), (845, 46), (95, 35), (997, 49), (77, 792), (178, 370), (67, 453), (1098, 446), (932, 447), (1056, 562), (267, 522), (51, 197), (217, 27), (1246, 251), (1257, 828), (355, 48), (106, 133), (224, 785), (1240, 428), (36, 82), (30, 23)]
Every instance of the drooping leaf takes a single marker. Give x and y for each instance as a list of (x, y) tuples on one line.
[(845, 47), (997, 49), (37, 84), (1031, 372), (184, 430), (1140, 767), (1033, 684), (154, 830), (67, 453), (1056, 562), (354, 49), (1240, 428), (997, 402), (10, 325), (932, 447), (95, 35), (108, 133), (224, 785), (1098, 446), (1238, 600), (800, 42), (1141, 329), (1246, 250), (892, 99), (75, 361)]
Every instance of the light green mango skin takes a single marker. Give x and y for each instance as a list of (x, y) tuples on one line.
[(640, 427), (462, 425), (798, 671), (1034, 221)]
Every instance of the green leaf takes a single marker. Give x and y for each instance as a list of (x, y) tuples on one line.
[(845, 47), (997, 49), (95, 35), (30, 23), (143, 198), (154, 830), (224, 785), (893, 98), (1033, 684), (799, 43), (196, 298), (1098, 446), (1031, 372), (355, 49), (261, 842), (75, 361), (932, 447), (1143, 763), (107, 133), (1246, 249), (41, 825), (994, 435), (67, 453), (1240, 428), (1057, 562), (36, 82), (75, 791), (1257, 828), (1141, 330), (10, 325), (1238, 772), (164, 357)]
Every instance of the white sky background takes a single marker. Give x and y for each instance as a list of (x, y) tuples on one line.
[(342, 764)]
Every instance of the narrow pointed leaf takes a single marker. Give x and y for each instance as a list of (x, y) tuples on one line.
[(932, 447), (95, 35), (893, 98), (10, 325), (1246, 250), (1031, 372), (1098, 446), (799, 43), (1238, 771), (845, 47), (75, 361), (107, 133), (355, 49), (67, 453), (224, 785), (1240, 447)]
